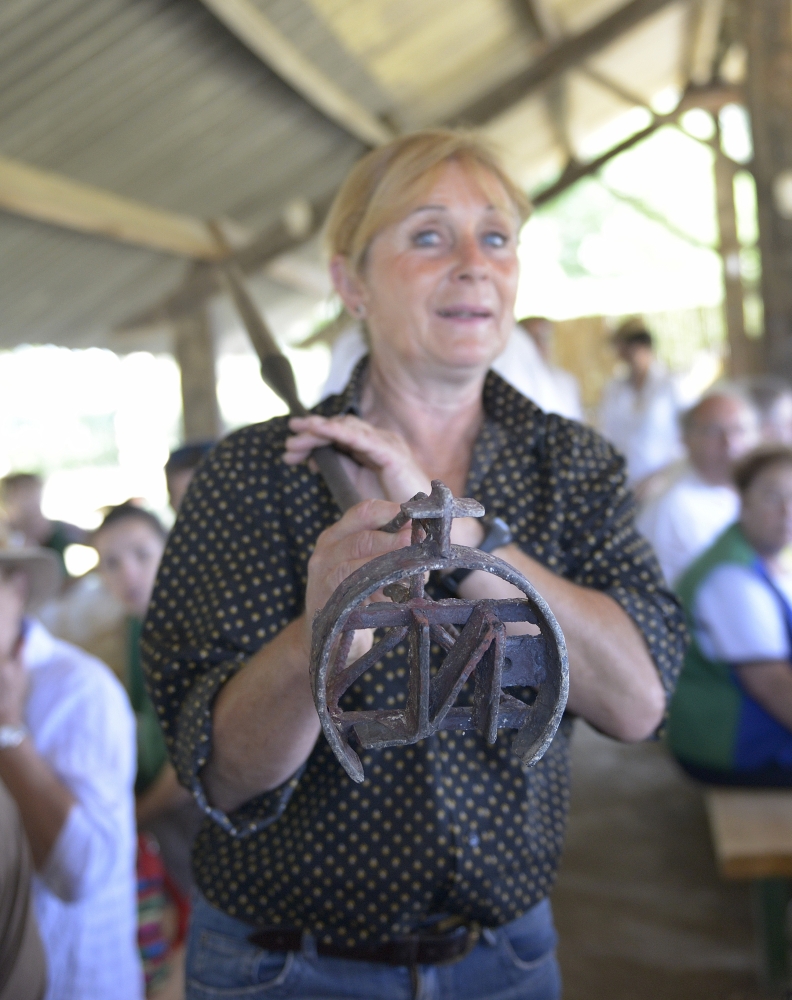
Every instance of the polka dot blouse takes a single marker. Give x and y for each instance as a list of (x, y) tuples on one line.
[(450, 825)]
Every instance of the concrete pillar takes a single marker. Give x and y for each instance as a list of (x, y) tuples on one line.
[(193, 346)]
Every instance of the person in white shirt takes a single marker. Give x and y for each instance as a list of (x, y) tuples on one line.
[(566, 390), (639, 411), (685, 519), (520, 364), (67, 757)]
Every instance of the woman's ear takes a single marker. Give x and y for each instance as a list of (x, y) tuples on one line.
[(347, 285)]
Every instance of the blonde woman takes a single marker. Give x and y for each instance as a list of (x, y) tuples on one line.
[(432, 877)]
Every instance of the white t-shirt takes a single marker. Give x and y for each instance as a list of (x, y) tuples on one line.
[(643, 425), (82, 724), (520, 364), (685, 520), (738, 619)]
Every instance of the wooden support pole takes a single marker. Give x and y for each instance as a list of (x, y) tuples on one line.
[(193, 346), (769, 92), (740, 353)]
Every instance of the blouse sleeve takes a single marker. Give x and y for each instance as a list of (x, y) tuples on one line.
[(226, 586)]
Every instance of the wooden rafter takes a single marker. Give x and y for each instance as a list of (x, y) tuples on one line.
[(51, 197), (559, 58), (711, 98), (704, 43), (255, 30), (202, 281)]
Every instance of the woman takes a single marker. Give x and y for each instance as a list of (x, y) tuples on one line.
[(346, 882), (130, 542), (731, 717)]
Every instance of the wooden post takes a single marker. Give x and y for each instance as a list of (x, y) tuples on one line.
[(740, 348), (193, 346), (769, 90)]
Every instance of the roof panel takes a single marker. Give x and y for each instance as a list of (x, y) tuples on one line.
[(157, 100)]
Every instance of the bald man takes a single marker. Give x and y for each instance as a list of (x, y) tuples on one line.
[(702, 502)]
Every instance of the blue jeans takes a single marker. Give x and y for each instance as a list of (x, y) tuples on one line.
[(515, 962)]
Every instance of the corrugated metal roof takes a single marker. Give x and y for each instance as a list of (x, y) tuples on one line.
[(156, 100)]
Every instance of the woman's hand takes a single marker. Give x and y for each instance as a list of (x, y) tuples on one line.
[(341, 550), (265, 721), (383, 452)]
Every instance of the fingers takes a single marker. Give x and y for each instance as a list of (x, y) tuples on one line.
[(349, 544), (382, 451), (371, 446)]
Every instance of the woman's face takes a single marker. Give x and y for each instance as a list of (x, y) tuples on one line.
[(129, 556), (438, 286), (767, 510)]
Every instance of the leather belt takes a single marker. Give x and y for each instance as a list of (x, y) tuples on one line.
[(423, 948)]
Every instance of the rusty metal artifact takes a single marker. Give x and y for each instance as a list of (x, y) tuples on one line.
[(473, 635)]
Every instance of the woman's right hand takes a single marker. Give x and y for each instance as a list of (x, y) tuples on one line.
[(385, 455), (342, 549)]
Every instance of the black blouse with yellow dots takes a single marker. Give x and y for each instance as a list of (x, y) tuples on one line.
[(450, 825)]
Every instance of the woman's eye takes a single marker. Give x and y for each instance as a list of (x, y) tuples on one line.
[(496, 239), (427, 238)]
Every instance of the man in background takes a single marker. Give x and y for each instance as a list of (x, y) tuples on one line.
[(639, 410), (20, 495), (701, 502)]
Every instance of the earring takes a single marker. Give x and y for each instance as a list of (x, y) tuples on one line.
[(360, 311)]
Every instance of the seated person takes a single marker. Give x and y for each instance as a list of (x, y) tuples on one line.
[(700, 501), (67, 758), (181, 467), (20, 494), (130, 542), (731, 717)]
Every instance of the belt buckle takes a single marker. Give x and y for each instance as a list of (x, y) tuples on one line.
[(447, 929)]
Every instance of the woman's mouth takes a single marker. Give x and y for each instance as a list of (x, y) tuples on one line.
[(465, 313)]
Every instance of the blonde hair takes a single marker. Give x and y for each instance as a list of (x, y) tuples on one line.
[(379, 188)]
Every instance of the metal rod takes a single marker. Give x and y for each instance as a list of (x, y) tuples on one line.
[(277, 372)]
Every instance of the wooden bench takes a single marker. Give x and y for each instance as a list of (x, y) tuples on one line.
[(752, 836)]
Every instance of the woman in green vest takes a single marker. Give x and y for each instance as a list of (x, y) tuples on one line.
[(731, 716)]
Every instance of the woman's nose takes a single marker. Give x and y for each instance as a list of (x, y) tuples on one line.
[(472, 262)]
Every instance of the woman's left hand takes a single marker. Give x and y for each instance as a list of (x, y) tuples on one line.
[(383, 452)]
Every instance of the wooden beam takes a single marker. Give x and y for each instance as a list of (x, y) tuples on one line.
[(202, 281), (255, 30), (741, 350), (705, 37), (576, 171), (193, 347), (51, 197), (558, 59), (769, 89), (711, 98)]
